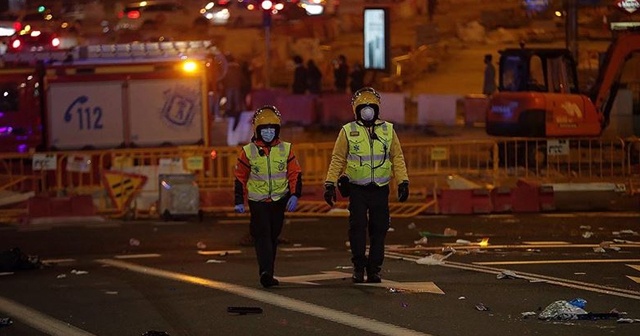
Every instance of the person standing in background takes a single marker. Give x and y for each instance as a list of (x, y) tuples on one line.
[(341, 73), (232, 84), (489, 85), (314, 76), (246, 84), (356, 77), (300, 76), (431, 9)]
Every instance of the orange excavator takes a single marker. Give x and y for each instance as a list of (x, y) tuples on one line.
[(539, 96)]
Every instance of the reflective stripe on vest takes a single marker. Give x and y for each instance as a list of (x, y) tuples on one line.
[(268, 177), (368, 160)]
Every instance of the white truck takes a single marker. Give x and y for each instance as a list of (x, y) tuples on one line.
[(108, 96)]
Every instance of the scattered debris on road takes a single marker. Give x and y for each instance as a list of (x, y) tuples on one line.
[(244, 310), (5, 322)]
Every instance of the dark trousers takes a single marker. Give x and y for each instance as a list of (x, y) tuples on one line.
[(369, 210), (267, 219)]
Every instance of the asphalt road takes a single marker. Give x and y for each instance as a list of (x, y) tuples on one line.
[(127, 278)]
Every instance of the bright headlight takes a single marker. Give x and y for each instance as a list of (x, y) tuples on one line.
[(189, 66)]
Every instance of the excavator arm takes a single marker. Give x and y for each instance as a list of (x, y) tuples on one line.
[(608, 82)]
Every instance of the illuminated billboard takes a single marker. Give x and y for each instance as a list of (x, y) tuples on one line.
[(376, 39)]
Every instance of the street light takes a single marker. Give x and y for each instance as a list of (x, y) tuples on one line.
[(266, 22)]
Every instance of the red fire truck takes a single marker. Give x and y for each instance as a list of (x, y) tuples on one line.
[(108, 96)]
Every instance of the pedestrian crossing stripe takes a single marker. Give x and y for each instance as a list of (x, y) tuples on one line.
[(122, 186), (634, 278)]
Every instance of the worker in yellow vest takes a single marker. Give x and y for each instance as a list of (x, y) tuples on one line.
[(366, 156), (270, 177)]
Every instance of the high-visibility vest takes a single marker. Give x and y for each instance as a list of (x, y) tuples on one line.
[(368, 158), (268, 177)]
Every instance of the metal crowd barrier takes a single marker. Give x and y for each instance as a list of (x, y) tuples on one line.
[(563, 160), (491, 161), (633, 164)]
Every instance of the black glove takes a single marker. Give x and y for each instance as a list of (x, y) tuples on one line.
[(329, 193), (343, 186), (403, 191)]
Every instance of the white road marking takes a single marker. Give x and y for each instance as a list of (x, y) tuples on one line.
[(6, 273), (302, 249), (38, 320), (219, 253), (633, 278), (394, 246), (489, 247), (415, 287), (531, 277), (344, 318), (635, 267), (542, 262), (137, 256), (307, 279)]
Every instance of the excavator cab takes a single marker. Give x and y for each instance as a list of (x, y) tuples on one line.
[(538, 96), (537, 70)]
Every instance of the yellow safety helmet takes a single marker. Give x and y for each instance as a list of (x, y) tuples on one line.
[(367, 96), (266, 115)]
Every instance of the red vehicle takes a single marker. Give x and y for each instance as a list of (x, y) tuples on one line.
[(539, 96), (108, 96), (34, 40)]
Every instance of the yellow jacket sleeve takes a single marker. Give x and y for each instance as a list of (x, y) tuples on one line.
[(338, 158), (397, 160)]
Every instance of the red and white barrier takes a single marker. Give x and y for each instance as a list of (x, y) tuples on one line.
[(335, 109), (265, 97), (392, 107), (43, 208), (437, 109), (299, 109), (464, 201), (526, 196), (475, 109), (502, 199)]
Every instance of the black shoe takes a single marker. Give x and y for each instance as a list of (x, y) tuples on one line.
[(358, 277), (374, 278), (267, 280)]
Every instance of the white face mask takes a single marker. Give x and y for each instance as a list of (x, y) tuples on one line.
[(367, 113), (268, 134)]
